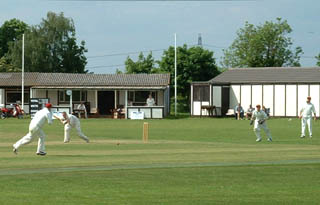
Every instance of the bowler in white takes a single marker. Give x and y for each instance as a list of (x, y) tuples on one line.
[(306, 117), (71, 121), (260, 117), (35, 129)]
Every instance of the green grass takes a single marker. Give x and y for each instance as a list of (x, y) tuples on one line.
[(186, 161)]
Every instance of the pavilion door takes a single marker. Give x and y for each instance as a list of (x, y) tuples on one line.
[(105, 102)]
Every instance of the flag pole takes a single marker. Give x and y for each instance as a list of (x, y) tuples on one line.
[(22, 87), (175, 74)]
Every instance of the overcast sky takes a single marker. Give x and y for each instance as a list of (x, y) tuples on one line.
[(122, 27)]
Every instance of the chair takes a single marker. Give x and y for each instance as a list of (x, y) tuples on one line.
[(230, 112), (94, 112), (118, 113)]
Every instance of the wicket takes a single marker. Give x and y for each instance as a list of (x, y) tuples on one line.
[(145, 132)]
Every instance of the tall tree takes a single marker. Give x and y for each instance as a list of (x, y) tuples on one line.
[(318, 60), (10, 31), (264, 45), (193, 64), (51, 46), (142, 65), (5, 66)]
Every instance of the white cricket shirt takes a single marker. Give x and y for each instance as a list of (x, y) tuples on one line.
[(261, 115), (150, 102), (41, 117), (73, 120), (307, 110)]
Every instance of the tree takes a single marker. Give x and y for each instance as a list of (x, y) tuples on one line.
[(265, 45), (318, 58), (142, 65), (10, 31), (5, 66), (193, 64), (50, 46)]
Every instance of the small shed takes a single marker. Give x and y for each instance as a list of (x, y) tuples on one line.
[(281, 89)]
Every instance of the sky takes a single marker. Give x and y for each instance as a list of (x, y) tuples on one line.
[(114, 30)]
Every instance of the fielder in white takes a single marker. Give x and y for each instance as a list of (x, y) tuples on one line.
[(260, 117), (306, 117), (69, 122), (35, 129)]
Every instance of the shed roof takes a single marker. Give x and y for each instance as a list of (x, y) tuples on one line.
[(268, 75), (84, 80)]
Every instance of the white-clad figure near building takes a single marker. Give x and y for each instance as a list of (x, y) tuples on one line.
[(35, 129), (306, 117), (71, 121), (259, 118), (82, 106), (150, 101)]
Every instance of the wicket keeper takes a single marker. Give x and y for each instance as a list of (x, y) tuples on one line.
[(260, 117)]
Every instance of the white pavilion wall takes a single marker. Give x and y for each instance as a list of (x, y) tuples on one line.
[(303, 93), (245, 96), (256, 95), (279, 100), (268, 98), (234, 95), (314, 93), (284, 100), (291, 100)]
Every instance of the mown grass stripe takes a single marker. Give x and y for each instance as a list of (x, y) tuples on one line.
[(152, 166)]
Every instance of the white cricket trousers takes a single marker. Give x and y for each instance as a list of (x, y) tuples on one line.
[(33, 132), (306, 121), (257, 129), (67, 129)]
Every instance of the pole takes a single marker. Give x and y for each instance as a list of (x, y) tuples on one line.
[(71, 107), (22, 87), (175, 74)]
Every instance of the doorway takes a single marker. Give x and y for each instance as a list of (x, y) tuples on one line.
[(105, 102)]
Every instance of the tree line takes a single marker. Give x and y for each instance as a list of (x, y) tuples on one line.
[(50, 46)]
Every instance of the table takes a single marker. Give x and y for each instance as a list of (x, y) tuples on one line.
[(210, 109)]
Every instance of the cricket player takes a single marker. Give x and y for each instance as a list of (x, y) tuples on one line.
[(260, 117), (150, 101), (35, 129), (82, 106), (306, 116), (69, 122)]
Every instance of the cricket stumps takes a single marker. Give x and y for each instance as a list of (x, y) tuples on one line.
[(145, 135)]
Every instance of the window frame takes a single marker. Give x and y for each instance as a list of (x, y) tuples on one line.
[(63, 99), (132, 93), (26, 96)]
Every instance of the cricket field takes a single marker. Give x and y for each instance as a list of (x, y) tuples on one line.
[(185, 161)]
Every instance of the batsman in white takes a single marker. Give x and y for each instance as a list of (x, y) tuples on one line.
[(306, 117), (69, 122), (260, 117), (35, 129)]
